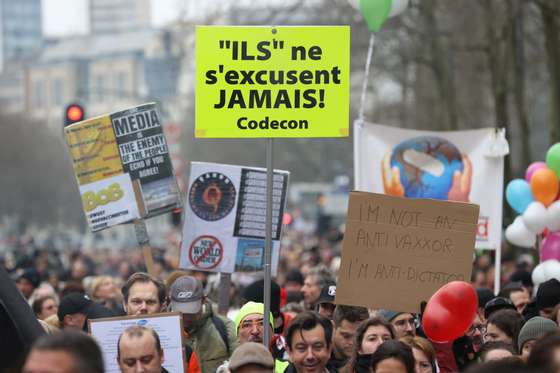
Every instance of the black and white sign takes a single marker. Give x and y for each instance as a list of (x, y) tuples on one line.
[(226, 216)]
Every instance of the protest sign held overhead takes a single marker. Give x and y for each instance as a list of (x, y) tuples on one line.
[(122, 165), (224, 227), (272, 81), (145, 156), (397, 252)]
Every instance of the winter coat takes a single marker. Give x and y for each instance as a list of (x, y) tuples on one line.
[(206, 341)]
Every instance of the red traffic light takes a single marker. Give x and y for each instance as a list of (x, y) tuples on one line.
[(74, 113)]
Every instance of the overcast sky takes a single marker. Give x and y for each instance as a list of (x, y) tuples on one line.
[(68, 17)]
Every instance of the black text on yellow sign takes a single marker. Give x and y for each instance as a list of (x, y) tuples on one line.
[(272, 82)]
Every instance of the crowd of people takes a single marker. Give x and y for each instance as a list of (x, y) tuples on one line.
[(516, 331)]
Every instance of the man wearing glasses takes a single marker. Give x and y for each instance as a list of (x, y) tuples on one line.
[(476, 332), (250, 324)]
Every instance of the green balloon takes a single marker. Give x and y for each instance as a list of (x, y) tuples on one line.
[(553, 158), (375, 12)]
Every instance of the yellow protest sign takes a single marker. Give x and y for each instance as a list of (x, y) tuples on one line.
[(93, 148), (272, 81)]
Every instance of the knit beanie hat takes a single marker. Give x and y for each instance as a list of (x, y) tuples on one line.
[(548, 294), (388, 314), (535, 328), (250, 308)]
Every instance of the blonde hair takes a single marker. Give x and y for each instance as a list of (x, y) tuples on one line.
[(96, 282)]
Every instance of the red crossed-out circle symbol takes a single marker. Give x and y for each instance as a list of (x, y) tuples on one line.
[(206, 252)]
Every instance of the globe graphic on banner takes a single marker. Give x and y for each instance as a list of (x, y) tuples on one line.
[(427, 165)]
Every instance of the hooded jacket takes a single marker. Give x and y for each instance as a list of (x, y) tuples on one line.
[(205, 339)]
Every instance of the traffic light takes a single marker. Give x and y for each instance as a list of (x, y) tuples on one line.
[(73, 113)]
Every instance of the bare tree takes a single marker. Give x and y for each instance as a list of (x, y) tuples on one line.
[(550, 11)]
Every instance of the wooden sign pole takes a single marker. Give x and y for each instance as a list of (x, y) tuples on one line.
[(144, 242)]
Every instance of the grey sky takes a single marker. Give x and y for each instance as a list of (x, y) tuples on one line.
[(70, 17)]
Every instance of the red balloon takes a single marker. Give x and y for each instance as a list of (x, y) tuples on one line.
[(450, 312)]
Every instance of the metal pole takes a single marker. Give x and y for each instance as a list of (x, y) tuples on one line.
[(268, 240)]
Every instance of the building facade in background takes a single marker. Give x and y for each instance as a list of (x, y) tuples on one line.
[(20, 29), (115, 16), (115, 71), (122, 62)]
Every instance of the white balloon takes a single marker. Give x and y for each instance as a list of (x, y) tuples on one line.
[(538, 275), (553, 217), (551, 269), (535, 217), (518, 234), (397, 7)]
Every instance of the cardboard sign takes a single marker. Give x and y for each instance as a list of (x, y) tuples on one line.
[(131, 143), (225, 218), (168, 326), (397, 252), (272, 81)]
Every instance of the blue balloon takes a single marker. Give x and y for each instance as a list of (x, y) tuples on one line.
[(519, 195)]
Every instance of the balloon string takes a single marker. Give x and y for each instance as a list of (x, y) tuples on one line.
[(364, 85)]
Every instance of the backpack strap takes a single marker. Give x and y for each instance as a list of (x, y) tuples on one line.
[(221, 327)]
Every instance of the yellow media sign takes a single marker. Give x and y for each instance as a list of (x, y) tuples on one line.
[(272, 81)]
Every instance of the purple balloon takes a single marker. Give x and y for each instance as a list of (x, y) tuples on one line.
[(532, 168), (550, 248)]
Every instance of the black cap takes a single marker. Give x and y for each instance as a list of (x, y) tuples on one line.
[(327, 293), (548, 294), (73, 303), (498, 303)]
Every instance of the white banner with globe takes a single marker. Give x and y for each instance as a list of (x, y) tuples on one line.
[(464, 166)]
